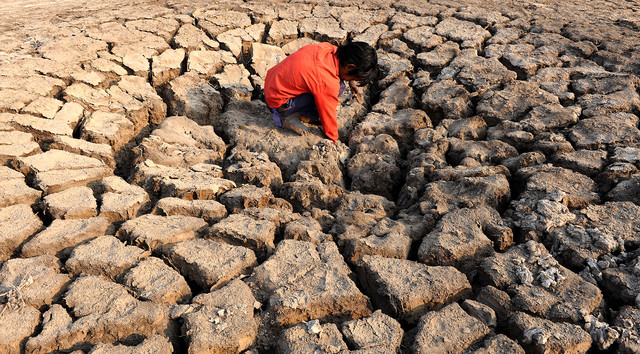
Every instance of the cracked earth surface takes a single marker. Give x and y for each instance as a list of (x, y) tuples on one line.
[(483, 197)]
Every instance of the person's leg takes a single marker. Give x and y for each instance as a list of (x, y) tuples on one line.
[(297, 110)]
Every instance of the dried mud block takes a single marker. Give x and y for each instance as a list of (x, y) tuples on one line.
[(210, 211), (398, 95), (102, 152), (326, 162), (549, 117), (492, 152), (478, 74), (264, 57), (391, 245), (153, 280), (447, 99), (155, 231), (16, 144), (309, 194), (224, 323), (587, 162), (207, 63), (526, 59), (216, 21), (181, 142), (105, 313), (481, 311), (422, 38), (14, 189), (105, 255), (628, 318), (62, 236), (243, 230), (540, 335), (603, 131), (156, 344), (42, 129), (626, 191), (374, 168), (282, 32), (278, 214), (392, 66), (234, 82), (499, 301), (18, 325), (401, 125), (596, 105), (56, 170), (193, 97), (375, 332), (120, 200), (306, 229), (621, 284), (539, 285), (311, 337), (543, 180), (499, 344), (468, 33), (248, 167), (439, 56), (13, 100), (17, 223), (323, 29), (72, 49), (448, 330), (303, 281), (247, 123), (239, 40), (406, 18), (444, 196), (72, 203), (246, 196), (464, 235), (71, 113), (512, 102), (152, 104), (201, 181), (208, 263), (38, 279), (357, 214), (166, 66), (192, 38), (371, 34), (407, 289), (55, 334)]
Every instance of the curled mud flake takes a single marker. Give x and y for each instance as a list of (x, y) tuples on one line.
[(313, 327), (536, 335), (524, 275)]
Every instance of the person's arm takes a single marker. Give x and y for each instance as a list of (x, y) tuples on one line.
[(327, 105)]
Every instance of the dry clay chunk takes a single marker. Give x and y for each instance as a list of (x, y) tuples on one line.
[(377, 331), (224, 323), (303, 281), (210, 264), (62, 235), (153, 280), (17, 223), (155, 231), (408, 289), (38, 279), (156, 345), (449, 330), (17, 325), (540, 335), (307, 338), (105, 255)]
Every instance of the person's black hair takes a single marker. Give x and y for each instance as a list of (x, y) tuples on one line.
[(363, 56)]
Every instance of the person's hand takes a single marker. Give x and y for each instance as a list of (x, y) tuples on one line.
[(355, 90)]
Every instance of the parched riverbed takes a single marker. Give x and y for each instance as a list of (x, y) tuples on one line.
[(483, 197)]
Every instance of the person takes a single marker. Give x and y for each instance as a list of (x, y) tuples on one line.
[(305, 86)]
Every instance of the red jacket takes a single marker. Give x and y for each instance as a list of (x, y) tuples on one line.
[(312, 69)]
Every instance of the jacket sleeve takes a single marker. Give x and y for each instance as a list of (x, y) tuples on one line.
[(327, 105)]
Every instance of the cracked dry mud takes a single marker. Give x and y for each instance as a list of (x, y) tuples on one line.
[(483, 197)]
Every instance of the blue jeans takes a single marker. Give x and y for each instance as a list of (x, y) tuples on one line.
[(304, 104)]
